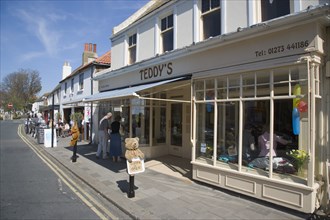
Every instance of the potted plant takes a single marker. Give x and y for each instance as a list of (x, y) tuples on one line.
[(76, 116), (300, 158)]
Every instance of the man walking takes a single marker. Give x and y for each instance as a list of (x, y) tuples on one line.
[(103, 136)]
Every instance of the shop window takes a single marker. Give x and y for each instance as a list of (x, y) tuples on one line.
[(159, 120), (140, 120), (205, 133), (132, 49), (274, 8), (227, 135), (167, 33), (267, 98), (81, 81), (211, 18)]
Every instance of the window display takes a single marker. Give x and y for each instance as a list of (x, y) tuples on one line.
[(261, 117)]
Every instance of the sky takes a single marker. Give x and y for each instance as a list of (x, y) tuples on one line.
[(42, 35)]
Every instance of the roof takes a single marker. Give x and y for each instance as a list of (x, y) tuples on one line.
[(148, 8), (105, 59)]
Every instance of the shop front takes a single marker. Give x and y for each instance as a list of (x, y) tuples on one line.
[(260, 117), (250, 109), (158, 113)]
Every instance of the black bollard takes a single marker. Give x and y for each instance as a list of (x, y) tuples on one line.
[(131, 193)]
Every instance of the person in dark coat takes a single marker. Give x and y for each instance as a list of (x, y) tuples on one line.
[(115, 140)]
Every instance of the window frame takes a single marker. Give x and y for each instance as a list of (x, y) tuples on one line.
[(72, 86), (207, 15), (132, 46), (81, 81), (166, 33)]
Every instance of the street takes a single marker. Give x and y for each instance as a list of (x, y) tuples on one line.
[(31, 187)]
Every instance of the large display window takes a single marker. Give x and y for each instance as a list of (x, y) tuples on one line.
[(261, 122)]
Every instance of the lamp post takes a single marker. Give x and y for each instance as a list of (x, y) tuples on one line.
[(52, 127)]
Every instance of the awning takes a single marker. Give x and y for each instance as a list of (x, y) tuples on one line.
[(130, 91), (43, 108)]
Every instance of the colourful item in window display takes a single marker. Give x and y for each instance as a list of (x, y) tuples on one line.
[(302, 106), (295, 121), (296, 92)]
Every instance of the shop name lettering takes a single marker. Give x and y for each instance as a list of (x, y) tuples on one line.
[(282, 48), (156, 71)]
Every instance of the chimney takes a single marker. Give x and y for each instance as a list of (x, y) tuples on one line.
[(66, 71), (89, 54)]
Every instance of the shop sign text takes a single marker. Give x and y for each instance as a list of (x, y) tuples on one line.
[(156, 71), (282, 48)]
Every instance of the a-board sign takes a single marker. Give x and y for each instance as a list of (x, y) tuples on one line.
[(136, 166)]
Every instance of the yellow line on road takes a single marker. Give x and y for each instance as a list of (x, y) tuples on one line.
[(67, 179)]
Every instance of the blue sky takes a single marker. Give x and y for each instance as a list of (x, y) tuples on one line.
[(41, 35)]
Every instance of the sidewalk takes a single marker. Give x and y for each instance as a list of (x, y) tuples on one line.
[(164, 191)]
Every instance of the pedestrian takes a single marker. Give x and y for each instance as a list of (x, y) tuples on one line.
[(115, 140), (74, 140), (103, 136)]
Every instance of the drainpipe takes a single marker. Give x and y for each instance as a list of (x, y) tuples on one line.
[(91, 112)]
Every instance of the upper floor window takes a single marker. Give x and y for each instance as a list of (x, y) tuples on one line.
[(132, 49), (274, 8), (65, 88), (211, 18), (167, 33), (81, 81), (72, 85)]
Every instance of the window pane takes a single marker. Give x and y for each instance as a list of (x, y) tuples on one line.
[(234, 87), (227, 138), (275, 8), (263, 79), (163, 24), (170, 21), (222, 88), (215, 3), (211, 24), (159, 124), (205, 132), (248, 85), (205, 5), (168, 40), (140, 123), (132, 55)]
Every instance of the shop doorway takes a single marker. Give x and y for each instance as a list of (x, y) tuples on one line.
[(176, 120)]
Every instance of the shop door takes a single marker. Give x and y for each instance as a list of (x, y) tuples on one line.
[(176, 129)]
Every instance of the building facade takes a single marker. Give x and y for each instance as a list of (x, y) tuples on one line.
[(77, 84), (235, 86)]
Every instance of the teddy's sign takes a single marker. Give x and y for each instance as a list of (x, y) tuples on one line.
[(136, 166)]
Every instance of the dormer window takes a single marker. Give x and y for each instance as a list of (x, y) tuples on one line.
[(167, 33), (132, 49), (211, 18)]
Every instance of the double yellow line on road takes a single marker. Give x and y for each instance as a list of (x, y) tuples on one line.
[(82, 194)]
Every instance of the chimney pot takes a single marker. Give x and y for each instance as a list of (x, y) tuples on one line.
[(94, 48), (86, 47), (90, 47)]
